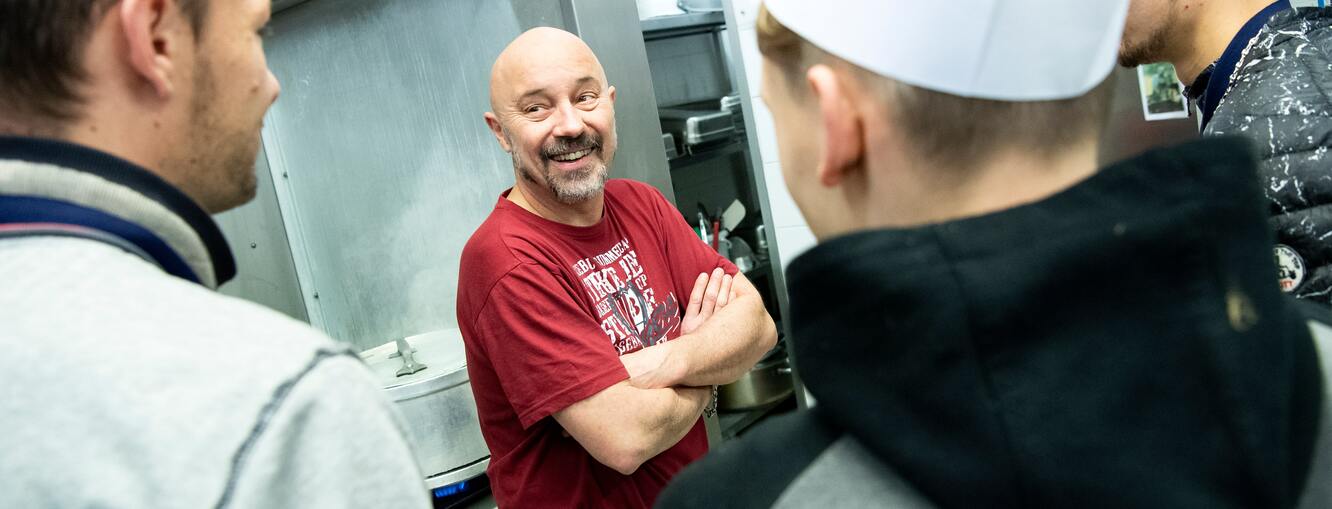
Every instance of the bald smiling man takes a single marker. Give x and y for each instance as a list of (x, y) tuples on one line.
[(596, 322)]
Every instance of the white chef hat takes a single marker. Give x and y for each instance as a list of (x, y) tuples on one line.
[(1006, 50)]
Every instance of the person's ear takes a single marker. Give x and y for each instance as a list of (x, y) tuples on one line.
[(154, 39), (610, 93), (496, 129), (843, 126)]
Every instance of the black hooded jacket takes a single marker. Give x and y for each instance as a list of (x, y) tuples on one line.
[(1119, 344)]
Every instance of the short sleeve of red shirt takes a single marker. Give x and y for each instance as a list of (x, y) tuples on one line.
[(682, 242), (554, 354)]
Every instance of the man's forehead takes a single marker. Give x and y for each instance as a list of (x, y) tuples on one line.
[(538, 83), (544, 59)]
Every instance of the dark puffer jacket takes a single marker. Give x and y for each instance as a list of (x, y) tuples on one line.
[(1280, 97)]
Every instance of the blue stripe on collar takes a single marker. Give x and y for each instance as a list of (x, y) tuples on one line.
[(32, 209), (112, 168), (1219, 83)]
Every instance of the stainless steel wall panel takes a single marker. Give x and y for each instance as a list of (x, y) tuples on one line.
[(265, 272), (382, 162), (389, 166), (282, 5), (688, 68)]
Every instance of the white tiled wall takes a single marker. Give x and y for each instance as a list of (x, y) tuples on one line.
[(746, 12), (784, 211), (790, 233), (751, 57), (767, 135)]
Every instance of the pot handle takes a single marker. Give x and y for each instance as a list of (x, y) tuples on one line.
[(409, 364)]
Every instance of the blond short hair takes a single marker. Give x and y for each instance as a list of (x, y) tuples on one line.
[(943, 128)]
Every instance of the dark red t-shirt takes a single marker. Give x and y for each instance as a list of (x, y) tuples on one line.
[(545, 311)]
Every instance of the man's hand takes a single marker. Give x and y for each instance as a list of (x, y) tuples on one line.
[(645, 360), (709, 295), (726, 335), (654, 367)]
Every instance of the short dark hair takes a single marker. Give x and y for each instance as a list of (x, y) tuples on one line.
[(41, 53), (944, 128)]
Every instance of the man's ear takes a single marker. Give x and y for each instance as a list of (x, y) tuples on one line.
[(843, 127), (154, 37), (496, 129), (611, 94)]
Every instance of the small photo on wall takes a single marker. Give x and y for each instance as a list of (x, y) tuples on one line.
[(1162, 95)]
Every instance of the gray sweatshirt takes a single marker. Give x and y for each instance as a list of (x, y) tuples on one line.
[(123, 386)]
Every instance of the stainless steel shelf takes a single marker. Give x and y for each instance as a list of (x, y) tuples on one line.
[(707, 153), (693, 20)]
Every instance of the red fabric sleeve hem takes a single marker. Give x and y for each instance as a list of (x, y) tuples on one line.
[(585, 388)]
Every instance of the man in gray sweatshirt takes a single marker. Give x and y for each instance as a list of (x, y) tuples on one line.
[(125, 379)]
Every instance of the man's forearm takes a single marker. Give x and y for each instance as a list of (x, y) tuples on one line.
[(674, 419), (624, 426), (727, 345)]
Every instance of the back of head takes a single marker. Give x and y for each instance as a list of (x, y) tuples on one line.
[(41, 59), (140, 80), (1004, 75)]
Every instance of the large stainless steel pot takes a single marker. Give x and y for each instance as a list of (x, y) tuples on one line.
[(768, 382), (436, 403)]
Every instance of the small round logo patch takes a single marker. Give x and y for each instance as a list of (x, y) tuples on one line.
[(1290, 267)]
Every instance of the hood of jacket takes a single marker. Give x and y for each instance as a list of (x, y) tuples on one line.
[(1119, 344)]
